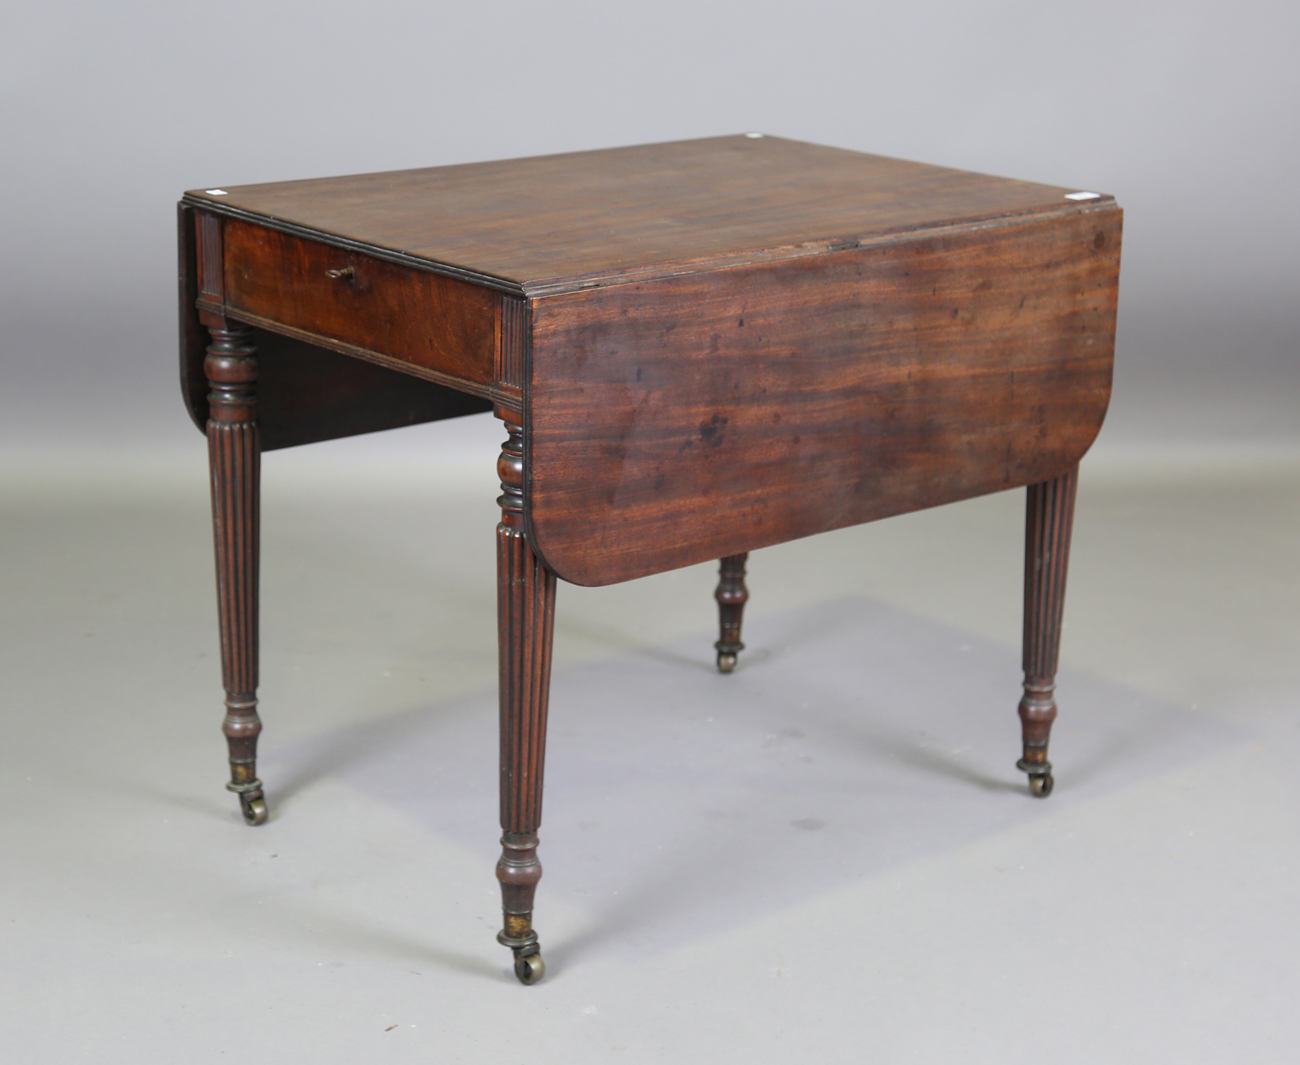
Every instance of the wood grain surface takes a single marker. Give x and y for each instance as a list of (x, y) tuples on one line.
[(307, 393), (411, 315), (722, 343), (552, 223), (694, 417), (698, 349)]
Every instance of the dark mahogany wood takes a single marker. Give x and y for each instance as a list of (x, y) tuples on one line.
[(308, 393), (700, 416), (556, 223), (1049, 519), (234, 457), (332, 295), (698, 349), (526, 621), (732, 595)]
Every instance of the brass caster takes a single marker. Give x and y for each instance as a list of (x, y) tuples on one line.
[(252, 803), (726, 662), (254, 810), (530, 968), (1040, 785)]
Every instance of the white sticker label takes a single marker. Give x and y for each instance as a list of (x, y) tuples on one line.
[(753, 134), (1083, 195), (216, 192)]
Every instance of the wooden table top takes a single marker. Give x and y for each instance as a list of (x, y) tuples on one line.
[(556, 223), (711, 345)]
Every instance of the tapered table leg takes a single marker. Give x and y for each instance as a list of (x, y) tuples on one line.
[(234, 457), (731, 595), (1049, 517), (525, 621)]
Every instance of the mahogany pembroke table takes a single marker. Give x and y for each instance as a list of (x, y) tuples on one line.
[(697, 349)]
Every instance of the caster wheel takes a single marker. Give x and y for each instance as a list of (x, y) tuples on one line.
[(255, 812), (530, 968), (726, 662), (1040, 785)]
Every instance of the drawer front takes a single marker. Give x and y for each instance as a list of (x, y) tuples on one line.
[(336, 294)]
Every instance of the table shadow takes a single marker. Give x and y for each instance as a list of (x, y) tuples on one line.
[(854, 737)]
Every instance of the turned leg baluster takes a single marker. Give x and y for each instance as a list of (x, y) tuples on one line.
[(1049, 516), (731, 595), (234, 457), (525, 619)]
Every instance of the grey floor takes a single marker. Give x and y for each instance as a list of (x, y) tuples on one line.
[(827, 856)]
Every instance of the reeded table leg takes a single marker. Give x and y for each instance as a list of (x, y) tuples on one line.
[(234, 457), (525, 620), (1049, 516), (731, 595)]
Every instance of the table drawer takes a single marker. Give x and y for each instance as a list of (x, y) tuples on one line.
[(340, 295)]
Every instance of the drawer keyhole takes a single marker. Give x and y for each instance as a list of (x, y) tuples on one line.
[(343, 273)]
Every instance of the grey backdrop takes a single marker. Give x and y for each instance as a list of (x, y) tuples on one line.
[(1187, 111)]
